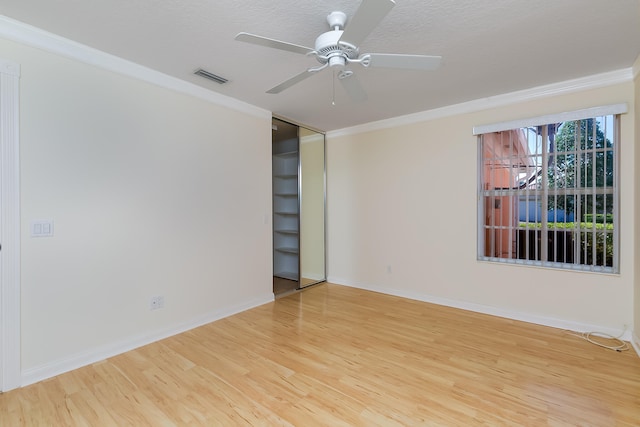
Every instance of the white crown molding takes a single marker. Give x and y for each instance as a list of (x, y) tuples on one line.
[(57, 367), (493, 311), (26, 34), (560, 88)]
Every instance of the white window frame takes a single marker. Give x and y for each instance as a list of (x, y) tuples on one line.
[(608, 110)]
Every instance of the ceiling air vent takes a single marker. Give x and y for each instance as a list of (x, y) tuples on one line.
[(210, 76)]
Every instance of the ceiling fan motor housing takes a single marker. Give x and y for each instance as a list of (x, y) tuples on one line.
[(330, 49)]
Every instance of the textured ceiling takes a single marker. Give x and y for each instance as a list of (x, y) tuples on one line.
[(488, 47)]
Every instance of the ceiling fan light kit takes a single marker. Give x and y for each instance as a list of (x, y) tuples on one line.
[(338, 48)]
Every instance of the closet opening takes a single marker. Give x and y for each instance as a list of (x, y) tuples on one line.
[(299, 194)]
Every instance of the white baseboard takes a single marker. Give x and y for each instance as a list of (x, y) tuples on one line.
[(494, 311), (94, 355)]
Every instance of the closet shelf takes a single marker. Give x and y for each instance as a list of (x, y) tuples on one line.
[(286, 275), (287, 154), (283, 231), (285, 250)]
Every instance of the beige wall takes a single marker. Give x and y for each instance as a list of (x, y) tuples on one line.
[(402, 219), (152, 192)]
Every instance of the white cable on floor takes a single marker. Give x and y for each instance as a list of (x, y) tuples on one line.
[(622, 346)]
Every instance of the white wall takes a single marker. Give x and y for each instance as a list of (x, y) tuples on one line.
[(402, 220), (152, 192)]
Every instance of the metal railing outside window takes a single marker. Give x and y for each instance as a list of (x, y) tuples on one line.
[(548, 194)]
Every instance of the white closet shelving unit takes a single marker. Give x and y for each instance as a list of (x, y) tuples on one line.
[(286, 209)]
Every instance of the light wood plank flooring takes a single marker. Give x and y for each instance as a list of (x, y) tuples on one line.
[(337, 356)]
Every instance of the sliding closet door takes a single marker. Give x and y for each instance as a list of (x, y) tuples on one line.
[(312, 207), (286, 207)]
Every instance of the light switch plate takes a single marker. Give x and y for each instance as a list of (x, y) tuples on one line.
[(41, 228)]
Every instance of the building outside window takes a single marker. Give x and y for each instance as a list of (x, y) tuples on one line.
[(548, 194)]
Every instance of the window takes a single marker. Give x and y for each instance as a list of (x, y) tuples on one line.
[(548, 194)]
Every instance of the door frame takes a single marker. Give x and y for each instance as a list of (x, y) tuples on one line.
[(10, 337)]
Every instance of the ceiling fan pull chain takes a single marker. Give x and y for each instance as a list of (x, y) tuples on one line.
[(333, 95)]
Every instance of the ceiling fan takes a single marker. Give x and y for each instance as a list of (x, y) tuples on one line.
[(338, 48)]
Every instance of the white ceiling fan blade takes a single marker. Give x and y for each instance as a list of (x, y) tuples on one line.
[(272, 43), (292, 81), (408, 62), (353, 88), (367, 17)]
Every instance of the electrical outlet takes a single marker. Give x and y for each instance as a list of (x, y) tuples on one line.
[(156, 302)]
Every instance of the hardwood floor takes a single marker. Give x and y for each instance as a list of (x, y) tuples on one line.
[(337, 356)]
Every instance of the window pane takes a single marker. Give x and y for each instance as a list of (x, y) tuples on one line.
[(549, 194)]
